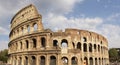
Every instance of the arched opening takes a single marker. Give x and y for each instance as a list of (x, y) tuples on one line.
[(85, 61), (90, 47), (79, 45), (73, 45), (33, 62), (34, 43), (64, 60), (96, 61), (98, 48), (20, 45), (99, 61), (55, 43), (26, 60), (28, 28), (42, 60), (64, 43), (15, 61), (52, 60), (22, 30), (20, 61), (35, 26), (94, 47), (43, 42), (91, 61), (27, 44), (74, 61), (85, 47), (84, 39)]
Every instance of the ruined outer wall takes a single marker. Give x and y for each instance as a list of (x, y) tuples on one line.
[(31, 44)]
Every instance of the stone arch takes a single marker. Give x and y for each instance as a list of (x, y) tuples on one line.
[(96, 61), (95, 48), (84, 39), (26, 60), (64, 60), (34, 43), (55, 43), (43, 42), (20, 61), (85, 61), (22, 30), (98, 48), (99, 61), (52, 60), (35, 26), (64, 43), (85, 47), (79, 45), (91, 61), (27, 44), (28, 28), (73, 45), (33, 61), (42, 60), (74, 61), (90, 47), (21, 45)]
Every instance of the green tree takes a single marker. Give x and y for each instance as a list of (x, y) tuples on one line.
[(4, 55), (113, 54)]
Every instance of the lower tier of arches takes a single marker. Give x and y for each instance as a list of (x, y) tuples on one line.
[(56, 59)]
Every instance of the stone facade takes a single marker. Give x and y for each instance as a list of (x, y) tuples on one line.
[(31, 44)]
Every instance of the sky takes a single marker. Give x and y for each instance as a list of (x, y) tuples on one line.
[(100, 16)]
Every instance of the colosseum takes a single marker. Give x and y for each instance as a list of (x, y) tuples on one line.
[(31, 44)]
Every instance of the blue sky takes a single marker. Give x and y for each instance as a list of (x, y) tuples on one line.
[(101, 16)]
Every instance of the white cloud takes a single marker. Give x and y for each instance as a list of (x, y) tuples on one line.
[(112, 32), (3, 31), (4, 45), (114, 17), (61, 22)]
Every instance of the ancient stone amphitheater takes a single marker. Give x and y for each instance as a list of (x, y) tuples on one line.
[(31, 44)]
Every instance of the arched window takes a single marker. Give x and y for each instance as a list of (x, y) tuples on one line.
[(95, 47), (33, 62), (91, 61), (99, 61), (35, 27), (34, 43), (43, 42), (20, 45), (85, 47), (84, 39), (22, 30), (96, 61), (90, 47), (74, 61), (20, 61), (64, 43), (85, 61), (64, 60), (42, 60), (55, 42), (73, 45), (99, 48), (27, 44), (79, 45), (28, 28), (52, 60), (26, 60)]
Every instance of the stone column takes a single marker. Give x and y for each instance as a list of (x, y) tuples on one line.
[(23, 60), (69, 61), (31, 28), (38, 42), (47, 61), (37, 60), (93, 61)]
